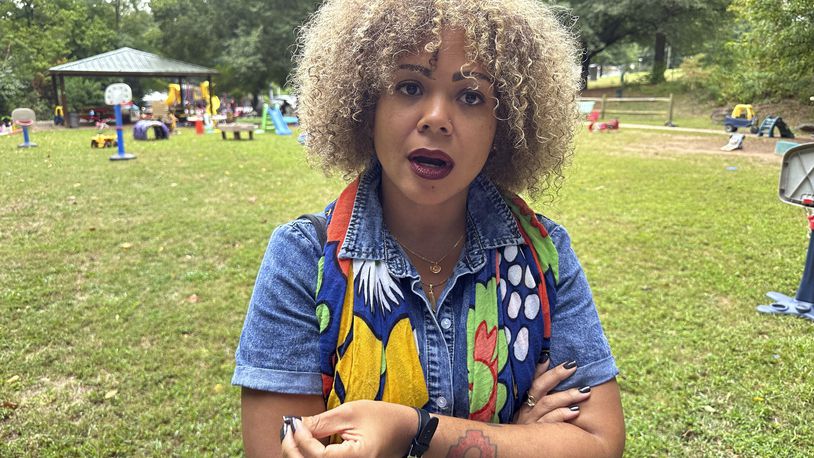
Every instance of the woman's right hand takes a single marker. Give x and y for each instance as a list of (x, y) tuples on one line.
[(552, 407)]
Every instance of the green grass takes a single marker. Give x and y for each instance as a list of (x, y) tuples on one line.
[(124, 287)]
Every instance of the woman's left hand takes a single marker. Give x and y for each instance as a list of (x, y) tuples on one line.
[(367, 428), (549, 406)]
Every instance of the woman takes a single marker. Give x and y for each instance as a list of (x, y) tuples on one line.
[(437, 290)]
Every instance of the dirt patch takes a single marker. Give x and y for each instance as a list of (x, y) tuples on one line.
[(759, 148)]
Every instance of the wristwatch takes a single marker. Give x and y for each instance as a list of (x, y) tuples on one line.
[(426, 429)]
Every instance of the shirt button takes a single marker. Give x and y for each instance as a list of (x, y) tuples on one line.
[(446, 323), (442, 402)]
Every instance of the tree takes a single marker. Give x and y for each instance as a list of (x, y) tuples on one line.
[(685, 24), (772, 57), (679, 22)]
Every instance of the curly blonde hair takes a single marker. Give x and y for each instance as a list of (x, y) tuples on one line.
[(349, 49)]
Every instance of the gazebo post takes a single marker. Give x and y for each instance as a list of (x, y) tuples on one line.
[(181, 92), (63, 96), (211, 107), (54, 89)]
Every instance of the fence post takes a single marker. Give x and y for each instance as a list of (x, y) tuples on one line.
[(604, 102), (670, 113)]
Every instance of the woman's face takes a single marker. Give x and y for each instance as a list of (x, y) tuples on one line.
[(433, 134)]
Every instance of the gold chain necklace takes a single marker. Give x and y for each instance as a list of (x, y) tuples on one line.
[(435, 266), (430, 290)]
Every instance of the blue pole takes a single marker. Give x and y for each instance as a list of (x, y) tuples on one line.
[(119, 135), (806, 291), (26, 140)]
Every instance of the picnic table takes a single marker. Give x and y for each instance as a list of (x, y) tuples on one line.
[(236, 129)]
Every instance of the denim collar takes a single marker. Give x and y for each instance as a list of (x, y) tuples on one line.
[(489, 224)]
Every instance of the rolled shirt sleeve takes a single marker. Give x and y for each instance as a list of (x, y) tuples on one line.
[(278, 348), (576, 333)]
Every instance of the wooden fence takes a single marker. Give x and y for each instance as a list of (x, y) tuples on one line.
[(605, 101)]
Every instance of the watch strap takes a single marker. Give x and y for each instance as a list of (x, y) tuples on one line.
[(426, 429)]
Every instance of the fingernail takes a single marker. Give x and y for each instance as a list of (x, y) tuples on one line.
[(284, 429), (543, 358), (574, 408), (295, 423), (585, 389), (570, 365)]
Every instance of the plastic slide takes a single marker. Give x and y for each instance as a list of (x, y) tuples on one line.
[(279, 124), (173, 94), (212, 110)]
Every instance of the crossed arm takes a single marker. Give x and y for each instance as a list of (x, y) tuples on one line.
[(373, 428)]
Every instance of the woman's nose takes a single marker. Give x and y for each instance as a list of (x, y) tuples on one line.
[(436, 117)]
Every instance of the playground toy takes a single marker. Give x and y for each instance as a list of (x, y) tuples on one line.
[(6, 127), (743, 115), (770, 123), (594, 126), (797, 188), (59, 116), (781, 147), (160, 130), (101, 140), (118, 94), (735, 142), (279, 121), (24, 117)]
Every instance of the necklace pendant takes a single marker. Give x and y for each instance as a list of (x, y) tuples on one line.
[(435, 268)]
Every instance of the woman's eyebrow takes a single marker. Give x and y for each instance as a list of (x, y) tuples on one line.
[(417, 68), (466, 74)]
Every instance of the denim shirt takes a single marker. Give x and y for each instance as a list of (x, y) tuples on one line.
[(278, 349)]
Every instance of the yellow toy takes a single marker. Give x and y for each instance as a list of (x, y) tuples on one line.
[(103, 141), (743, 115)]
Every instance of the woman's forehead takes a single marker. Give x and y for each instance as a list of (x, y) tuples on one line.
[(451, 44)]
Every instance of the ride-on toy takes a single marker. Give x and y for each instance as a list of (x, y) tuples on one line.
[(103, 141), (742, 116)]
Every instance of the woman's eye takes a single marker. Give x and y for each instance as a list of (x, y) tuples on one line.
[(409, 88), (471, 98)]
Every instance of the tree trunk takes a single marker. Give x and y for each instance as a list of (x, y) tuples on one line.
[(586, 63), (659, 64)]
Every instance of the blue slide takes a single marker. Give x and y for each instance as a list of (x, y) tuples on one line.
[(279, 124)]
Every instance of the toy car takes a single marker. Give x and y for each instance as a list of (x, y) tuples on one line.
[(742, 116), (103, 141)]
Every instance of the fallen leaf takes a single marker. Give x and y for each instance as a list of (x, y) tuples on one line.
[(757, 399), (126, 245), (13, 379), (218, 388), (252, 199), (172, 185), (192, 299), (110, 394), (10, 405), (709, 409), (76, 185)]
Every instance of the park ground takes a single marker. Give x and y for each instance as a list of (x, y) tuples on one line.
[(124, 287)]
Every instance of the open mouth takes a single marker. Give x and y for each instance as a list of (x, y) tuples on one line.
[(430, 164)]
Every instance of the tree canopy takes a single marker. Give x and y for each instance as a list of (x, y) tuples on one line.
[(753, 49)]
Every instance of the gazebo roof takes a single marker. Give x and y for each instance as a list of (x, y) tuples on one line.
[(131, 62)]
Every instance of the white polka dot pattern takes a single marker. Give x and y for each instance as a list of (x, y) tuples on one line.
[(510, 252), (532, 306), (530, 283), (521, 344), (515, 274), (514, 305)]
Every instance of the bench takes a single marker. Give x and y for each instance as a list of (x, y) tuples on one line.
[(236, 129)]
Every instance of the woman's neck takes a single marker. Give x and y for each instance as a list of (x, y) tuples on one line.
[(428, 229)]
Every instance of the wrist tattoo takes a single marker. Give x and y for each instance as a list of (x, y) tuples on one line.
[(473, 440)]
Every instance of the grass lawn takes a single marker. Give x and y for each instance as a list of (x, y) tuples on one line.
[(124, 287)]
